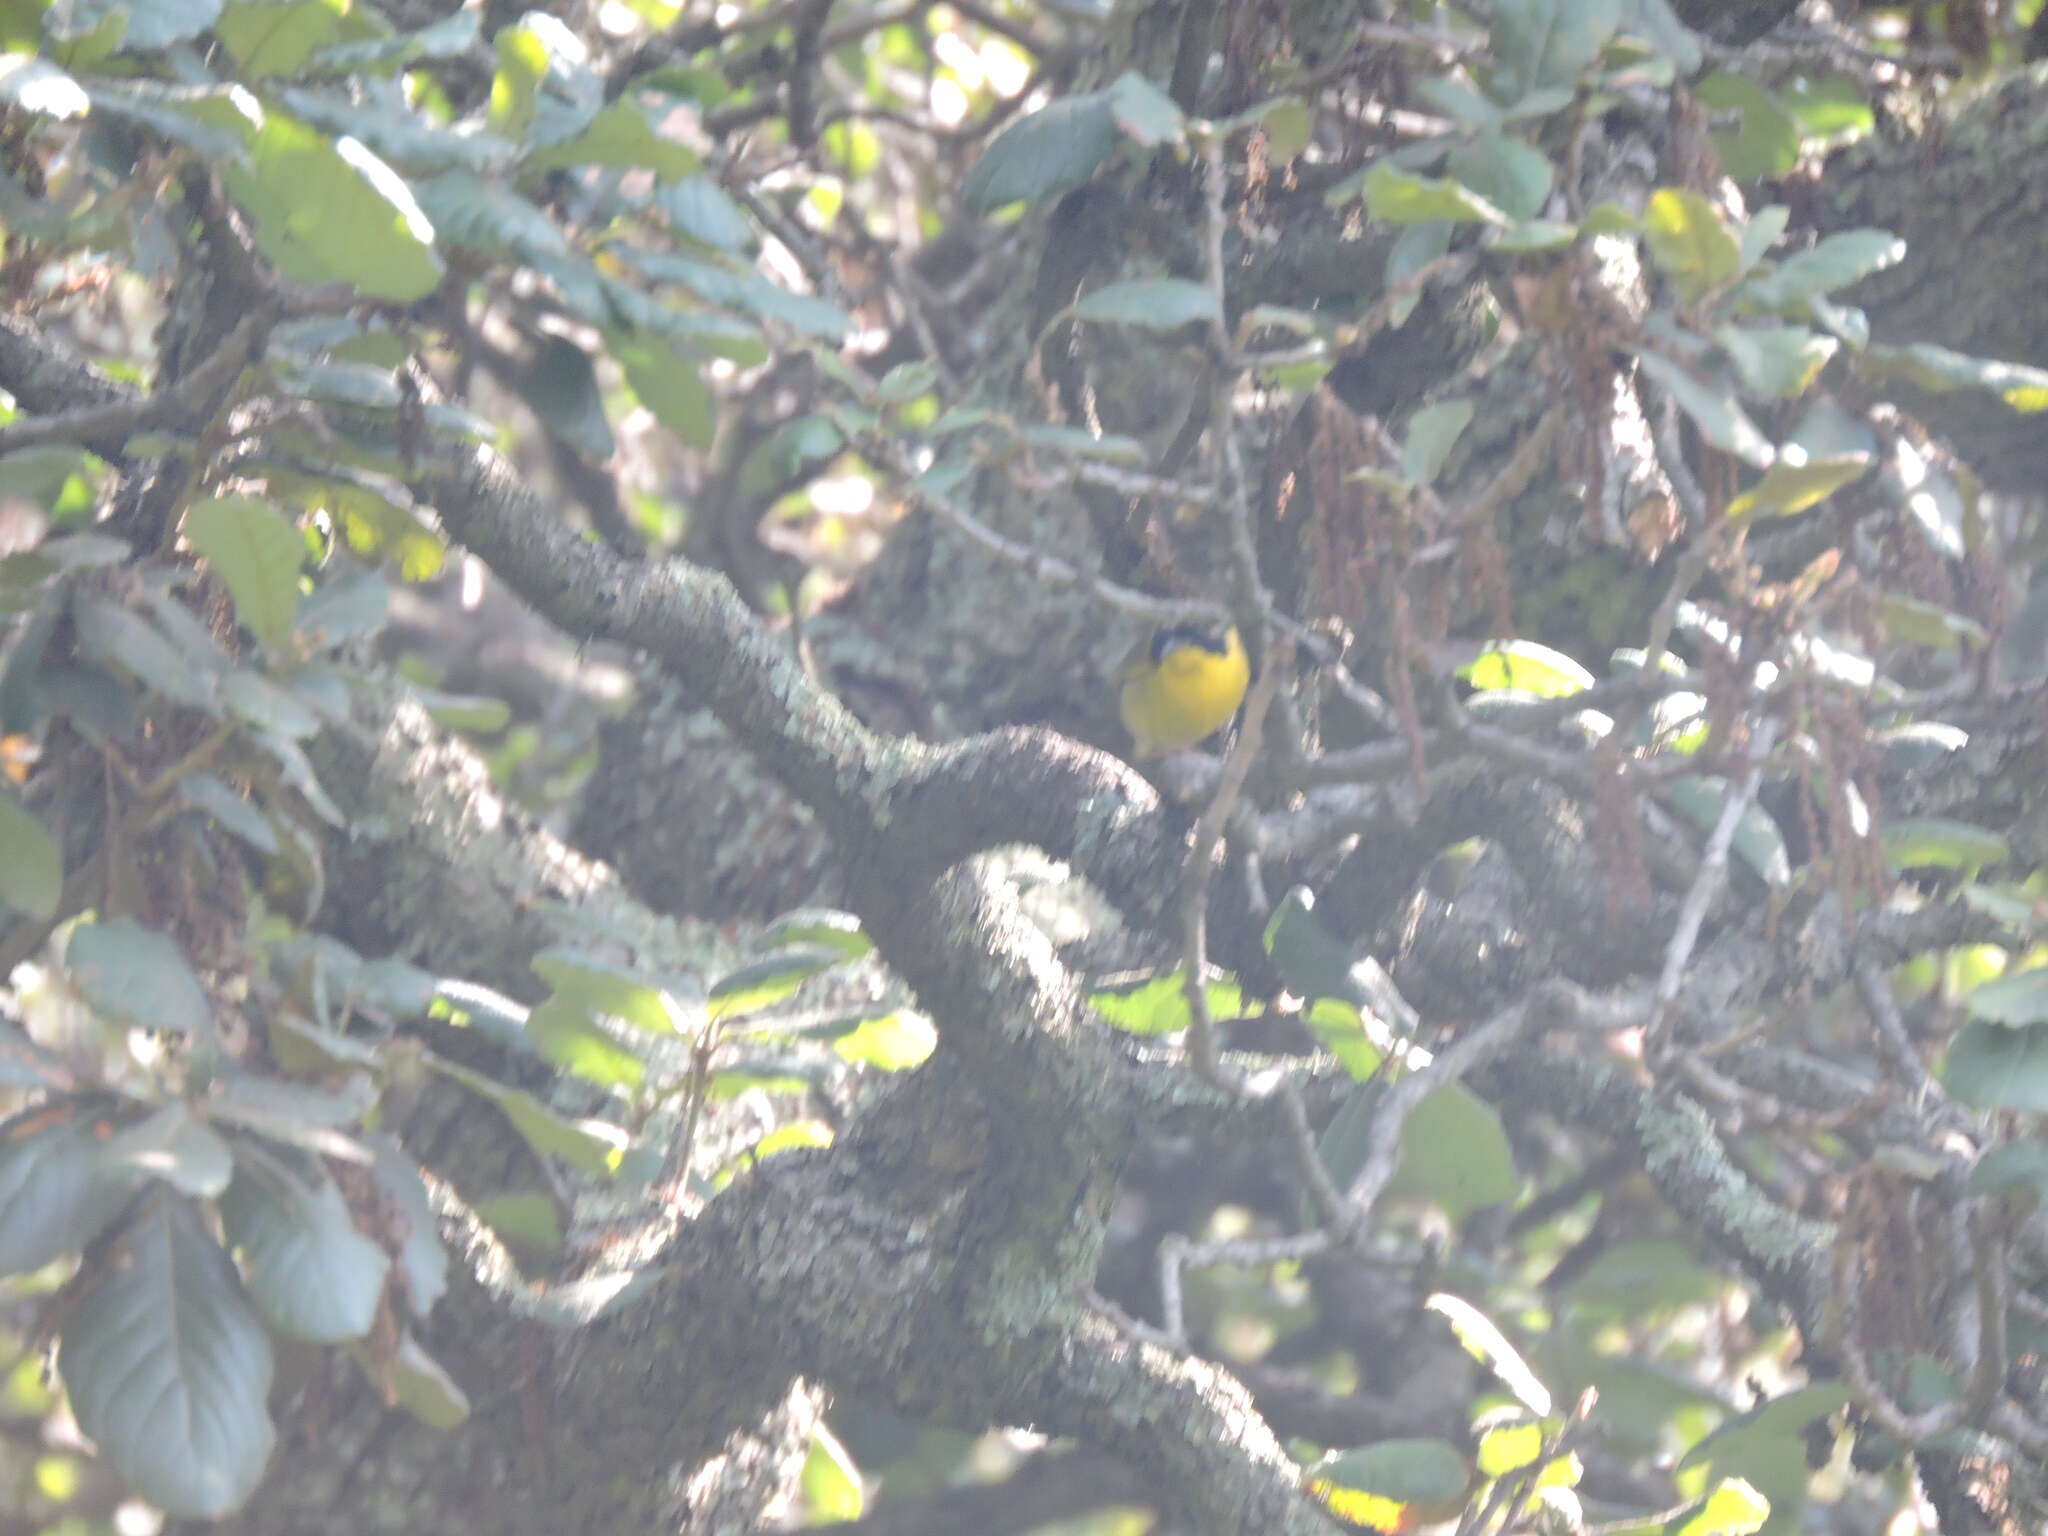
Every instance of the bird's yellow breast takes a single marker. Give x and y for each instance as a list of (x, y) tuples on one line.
[(1184, 689)]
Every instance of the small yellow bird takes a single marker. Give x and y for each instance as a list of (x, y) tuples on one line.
[(1182, 685)]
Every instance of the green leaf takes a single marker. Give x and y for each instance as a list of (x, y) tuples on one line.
[(1920, 622), (701, 210), (1776, 360), (832, 1483), (1548, 44), (1527, 667), (1691, 242), (1645, 1277), (275, 37), (1757, 842), (1145, 113), (602, 987), (1412, 1471), (132, 975), (1340, 1026), (816, 928), (420, 1383), (568, 1037), (56, 1193), (895, 1042), (332, 211), (350, 604), (1766, 145), (621, 136), (1513, 176), (529, 1218), (311, 1273), (1402, 197), (561, 386), (256, 552), (167, 1367), (1788, 487), (763, 983), (1734, 1508), (591, 1146), (1939, 370), (2016, 1000), (112, 634), (1836, 262), (1158, 1005), (1152, 304), (1289, 127), (1934, 842), (1432, 432), (1049, 151), (31, 868), (2015, 1165), (177, 1147), (1484, 1342), (1455, 1155), (670, 383), (1996, 1067), (150, 28), (1721, 421)]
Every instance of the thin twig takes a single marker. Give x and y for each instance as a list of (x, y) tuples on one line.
[(1707, 884)]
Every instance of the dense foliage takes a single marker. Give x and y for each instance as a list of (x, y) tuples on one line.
[(496, 505)]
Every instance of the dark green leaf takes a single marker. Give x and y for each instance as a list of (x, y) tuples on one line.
[(1052, 150), (764, 983), (167, 1367), (2017, 1000), (350, 604), (1836, 262), (204, 792), (1406, 1471), (1940, 370), (528, 1218), (561, 386), (1996, 1067), (2016, 1165), (56, 1194), (419, 1382), (1152, 304), (311, 1273), (132, 975)]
